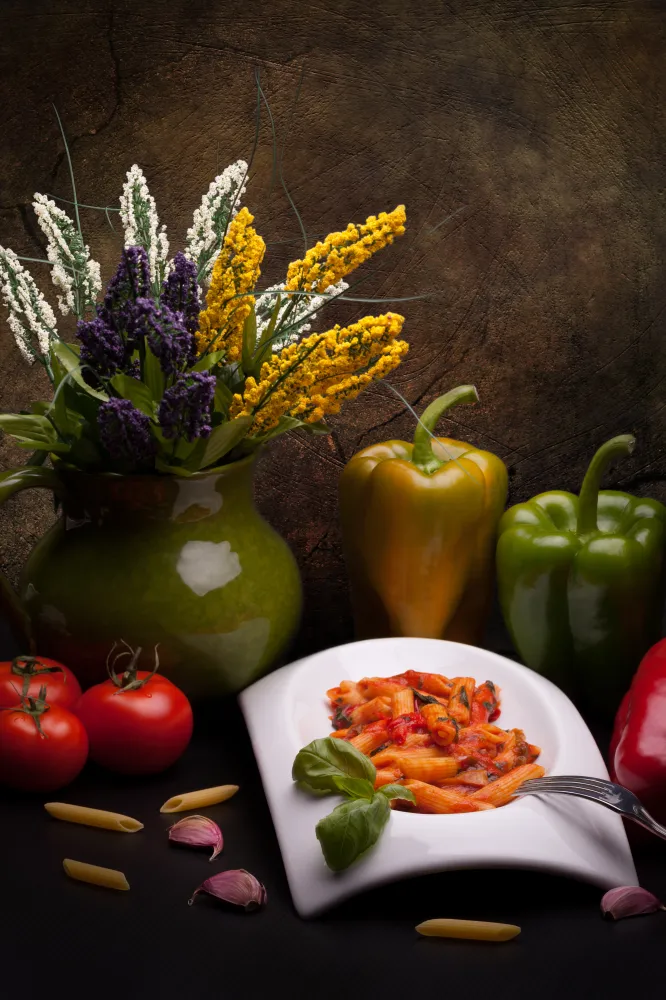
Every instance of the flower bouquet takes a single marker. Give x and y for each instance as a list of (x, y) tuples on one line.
[(184, 364)]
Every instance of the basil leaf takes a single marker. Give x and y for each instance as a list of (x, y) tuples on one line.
[(355, 788), (396, 792), (351, 829), (322, 760)]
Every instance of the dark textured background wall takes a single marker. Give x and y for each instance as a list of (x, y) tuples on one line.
[(541, 124)]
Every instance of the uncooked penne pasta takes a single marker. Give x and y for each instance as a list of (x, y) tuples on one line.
[(498, 792), (441, 800), (200, 799), (93, 817), (402, 702), (108, 878), (429, 769), (472, 930)]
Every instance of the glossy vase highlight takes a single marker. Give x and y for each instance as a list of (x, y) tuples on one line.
[(187, 565)]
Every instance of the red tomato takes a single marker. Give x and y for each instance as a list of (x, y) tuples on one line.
[(62, 687), (139, 723), (42, 747)]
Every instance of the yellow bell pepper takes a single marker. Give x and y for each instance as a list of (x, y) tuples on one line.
[(419, 525)]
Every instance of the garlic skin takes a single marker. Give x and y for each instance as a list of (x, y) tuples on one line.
[(629, 901), (237, 887), (198, 831)]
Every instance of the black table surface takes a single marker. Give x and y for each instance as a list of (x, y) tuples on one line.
[(82, 941)]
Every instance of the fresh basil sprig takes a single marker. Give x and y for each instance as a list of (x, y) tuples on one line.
[(333, 765)]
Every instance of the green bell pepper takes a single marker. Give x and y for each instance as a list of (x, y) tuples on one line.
[(580, 582)]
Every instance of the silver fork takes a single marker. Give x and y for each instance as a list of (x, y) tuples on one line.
[(606, 793)]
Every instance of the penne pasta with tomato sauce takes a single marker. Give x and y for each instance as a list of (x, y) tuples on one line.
[(437, 736)]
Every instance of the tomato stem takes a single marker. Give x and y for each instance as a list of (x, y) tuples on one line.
[(35, 708), (28, 667), (128, 679)]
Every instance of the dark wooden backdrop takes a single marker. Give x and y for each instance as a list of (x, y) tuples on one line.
[(540, 123)]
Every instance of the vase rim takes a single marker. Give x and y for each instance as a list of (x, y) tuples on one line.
[(146, 477)]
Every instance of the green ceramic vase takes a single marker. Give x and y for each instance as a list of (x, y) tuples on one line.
[(186, 565)]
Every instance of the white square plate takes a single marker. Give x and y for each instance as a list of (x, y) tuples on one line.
[(555, 833)]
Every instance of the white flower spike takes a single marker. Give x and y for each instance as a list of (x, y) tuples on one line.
[(211, 220), (74, 274), (302, 308), (142, 227), (31, 318)]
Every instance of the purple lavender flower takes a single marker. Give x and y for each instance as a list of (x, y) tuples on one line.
[(102, 348), (125, 432), (130, 282), (166, 334), (185, 410), (180, 291)]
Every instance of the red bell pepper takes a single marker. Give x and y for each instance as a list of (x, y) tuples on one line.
[(638, 747)]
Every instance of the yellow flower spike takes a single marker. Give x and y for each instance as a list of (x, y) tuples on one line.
[(235, 273), (309, 379), (341, 253)]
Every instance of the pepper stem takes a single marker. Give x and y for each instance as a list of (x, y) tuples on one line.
[(588, 500), (423, 456)]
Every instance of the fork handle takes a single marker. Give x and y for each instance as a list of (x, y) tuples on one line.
[(643, 818)]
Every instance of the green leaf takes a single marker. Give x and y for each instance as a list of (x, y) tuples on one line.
[(38, 458), (57, 447), (162, 465), (208, 361), (321, 761), (396, 792), (355, 788), (33, 426), (137, 392), (223, 439), (351, 829), (65, 361), (249, 340), (266, 342), (153, 376), (223, 398), (286, 424)]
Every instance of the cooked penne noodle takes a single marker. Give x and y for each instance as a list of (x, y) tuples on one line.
[(387, 776), (442, 729), (460, 700), (402, 702), (413, 740), (93, 817), (472, 930), (499, 792), (373, 687), (474, 777), (429, 769), (441, 800), (434, 684), (385, 757), (108, 878), (368, 741), (200, 799), (371, 711)]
